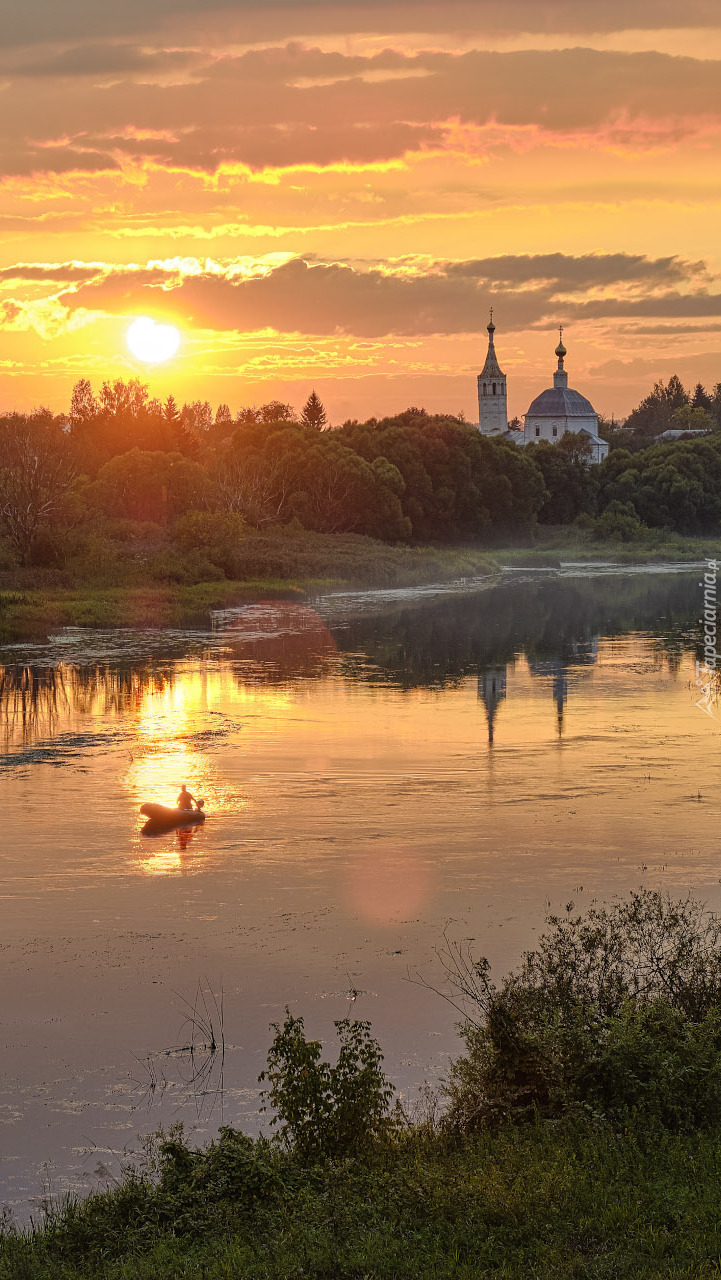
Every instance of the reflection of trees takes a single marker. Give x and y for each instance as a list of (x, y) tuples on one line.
[(34, 697), (411, 645), (439, 643), (289, 638)]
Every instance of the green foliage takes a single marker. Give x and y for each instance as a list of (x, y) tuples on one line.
[(672, 486), (618, 523), (414, 478), (232, 1170), (694, 417), (456, 483), (314, 414), (274, 472), (218, 535), (655, 412), (326, 1110), (150, 486), (610, 1030), (573, 1201), (37, 478), (570, 483), (616, 1011)]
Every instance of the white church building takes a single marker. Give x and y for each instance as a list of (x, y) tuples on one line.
[(557, 410)]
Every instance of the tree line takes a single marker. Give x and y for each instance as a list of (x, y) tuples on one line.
[(121, 465)]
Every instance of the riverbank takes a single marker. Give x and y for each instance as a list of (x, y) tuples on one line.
[(574, 1200), (37, 603)]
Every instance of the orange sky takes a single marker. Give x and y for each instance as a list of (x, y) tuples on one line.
[(332, 194)]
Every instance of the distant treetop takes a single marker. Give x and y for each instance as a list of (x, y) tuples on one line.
[(314, 414)]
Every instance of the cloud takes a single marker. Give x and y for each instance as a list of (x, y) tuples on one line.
[(104, 59), (63, 272), (292, 106), (407, 298), (37, 21)]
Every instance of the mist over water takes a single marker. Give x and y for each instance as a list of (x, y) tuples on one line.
[(376, 768)]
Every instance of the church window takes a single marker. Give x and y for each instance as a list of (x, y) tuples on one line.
[(538, 431), (494, 388), (485, 389), (555, 431)]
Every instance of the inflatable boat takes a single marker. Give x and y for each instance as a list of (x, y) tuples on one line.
[(161, 817)]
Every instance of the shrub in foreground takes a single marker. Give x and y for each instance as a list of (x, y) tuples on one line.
[(616, 1011), (326, 1110)]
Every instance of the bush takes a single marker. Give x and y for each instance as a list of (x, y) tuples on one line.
[(618, 1010), (619, 523), (208, 529), (324, 1110), (170, 565), (217, 535)]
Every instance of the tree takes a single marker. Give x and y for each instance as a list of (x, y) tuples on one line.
[(673, 486), (121, 399), (170, 410), (701, 399), (198, 416), (223, 415), (247, 415), (655, 412), (83, 405), (150, 486), (314, 414), (576, 445), (571, 484), (254, 478), (276, 411), (37, 472), (689, 418)]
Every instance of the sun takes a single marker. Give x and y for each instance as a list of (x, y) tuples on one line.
[(151, 342)]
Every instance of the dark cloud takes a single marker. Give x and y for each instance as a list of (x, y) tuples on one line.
[(584, 272), (62, 272), (318, 298), (104, 60), (663, 330), (275, 107), (37, 21)]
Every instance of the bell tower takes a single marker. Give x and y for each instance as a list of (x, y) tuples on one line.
[(492, 392)]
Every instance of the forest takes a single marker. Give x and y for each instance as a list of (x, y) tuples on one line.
[(123, 483)]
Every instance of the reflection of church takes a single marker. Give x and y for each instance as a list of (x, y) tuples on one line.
[(493, 679), (492, 687), (553, 414)]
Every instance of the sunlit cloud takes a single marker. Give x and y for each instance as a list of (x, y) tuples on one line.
[(339, 189), (412, 297), (291, 106)]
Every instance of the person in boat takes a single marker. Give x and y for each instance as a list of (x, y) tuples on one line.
[(185, 800)]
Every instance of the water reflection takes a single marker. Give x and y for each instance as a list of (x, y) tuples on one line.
[(290, 639), (355, 806), (267, 648)]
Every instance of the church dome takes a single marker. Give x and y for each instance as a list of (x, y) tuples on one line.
[(561, 402)]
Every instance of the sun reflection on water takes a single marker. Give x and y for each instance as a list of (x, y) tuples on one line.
[(177, 727)]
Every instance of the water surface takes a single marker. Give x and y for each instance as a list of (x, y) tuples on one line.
[(377, 768)]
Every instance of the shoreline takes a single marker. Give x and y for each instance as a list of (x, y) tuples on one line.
[(31, 613)]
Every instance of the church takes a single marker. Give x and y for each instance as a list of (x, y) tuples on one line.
[(557, 410)]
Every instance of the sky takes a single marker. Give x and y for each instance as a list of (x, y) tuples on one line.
[(331, 195)]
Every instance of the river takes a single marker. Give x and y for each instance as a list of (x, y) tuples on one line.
[(378, 769)]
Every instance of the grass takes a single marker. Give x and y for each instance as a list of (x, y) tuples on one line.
[(554, 1202), (34, 604), (554, 545)]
